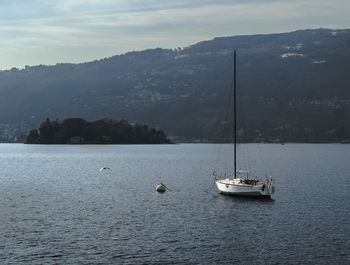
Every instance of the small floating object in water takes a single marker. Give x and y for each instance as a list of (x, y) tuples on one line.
[(104, 168), (161, 187)]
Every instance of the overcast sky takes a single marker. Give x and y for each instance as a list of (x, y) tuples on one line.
[(36, 32)]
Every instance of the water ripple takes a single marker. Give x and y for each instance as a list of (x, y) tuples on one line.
[(57, 208)]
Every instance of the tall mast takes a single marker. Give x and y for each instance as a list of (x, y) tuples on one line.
[(234, 115)]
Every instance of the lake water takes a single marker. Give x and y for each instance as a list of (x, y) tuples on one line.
[(57, 208)]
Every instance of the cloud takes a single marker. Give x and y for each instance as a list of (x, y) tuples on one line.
[(89, 29)]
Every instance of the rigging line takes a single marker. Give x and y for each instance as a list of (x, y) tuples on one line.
[(244, 136), (232, 123), (227, 113), (211, 186), (259, 154), (270, 168)]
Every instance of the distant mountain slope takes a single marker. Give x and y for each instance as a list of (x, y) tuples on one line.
[(292, 86)]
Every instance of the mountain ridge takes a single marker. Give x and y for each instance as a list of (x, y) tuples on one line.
[(287, 79)]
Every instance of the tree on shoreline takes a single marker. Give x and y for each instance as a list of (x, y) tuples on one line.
[(105, 131)]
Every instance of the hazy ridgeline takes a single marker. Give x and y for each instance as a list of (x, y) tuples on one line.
[(291, 86)]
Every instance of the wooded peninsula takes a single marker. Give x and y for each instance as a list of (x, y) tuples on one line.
[(105, 131)]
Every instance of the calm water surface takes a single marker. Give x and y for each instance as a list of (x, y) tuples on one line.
[(57, 208)]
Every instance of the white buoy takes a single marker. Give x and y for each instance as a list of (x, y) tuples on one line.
[(161, 187)]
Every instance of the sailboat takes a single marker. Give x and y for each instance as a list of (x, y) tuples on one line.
[(241, 183)]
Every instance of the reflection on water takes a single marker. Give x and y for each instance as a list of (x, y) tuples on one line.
[(246, 199), (57, 207)]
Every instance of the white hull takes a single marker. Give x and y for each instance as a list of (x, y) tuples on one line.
[(238, 187)]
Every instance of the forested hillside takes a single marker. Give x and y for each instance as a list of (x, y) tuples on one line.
[(292, 87), (80, 131)]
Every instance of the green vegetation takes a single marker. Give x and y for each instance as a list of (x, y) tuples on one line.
[(106, 131), (292, 87)]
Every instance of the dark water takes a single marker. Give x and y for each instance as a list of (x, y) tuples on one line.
[(57, 208)]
